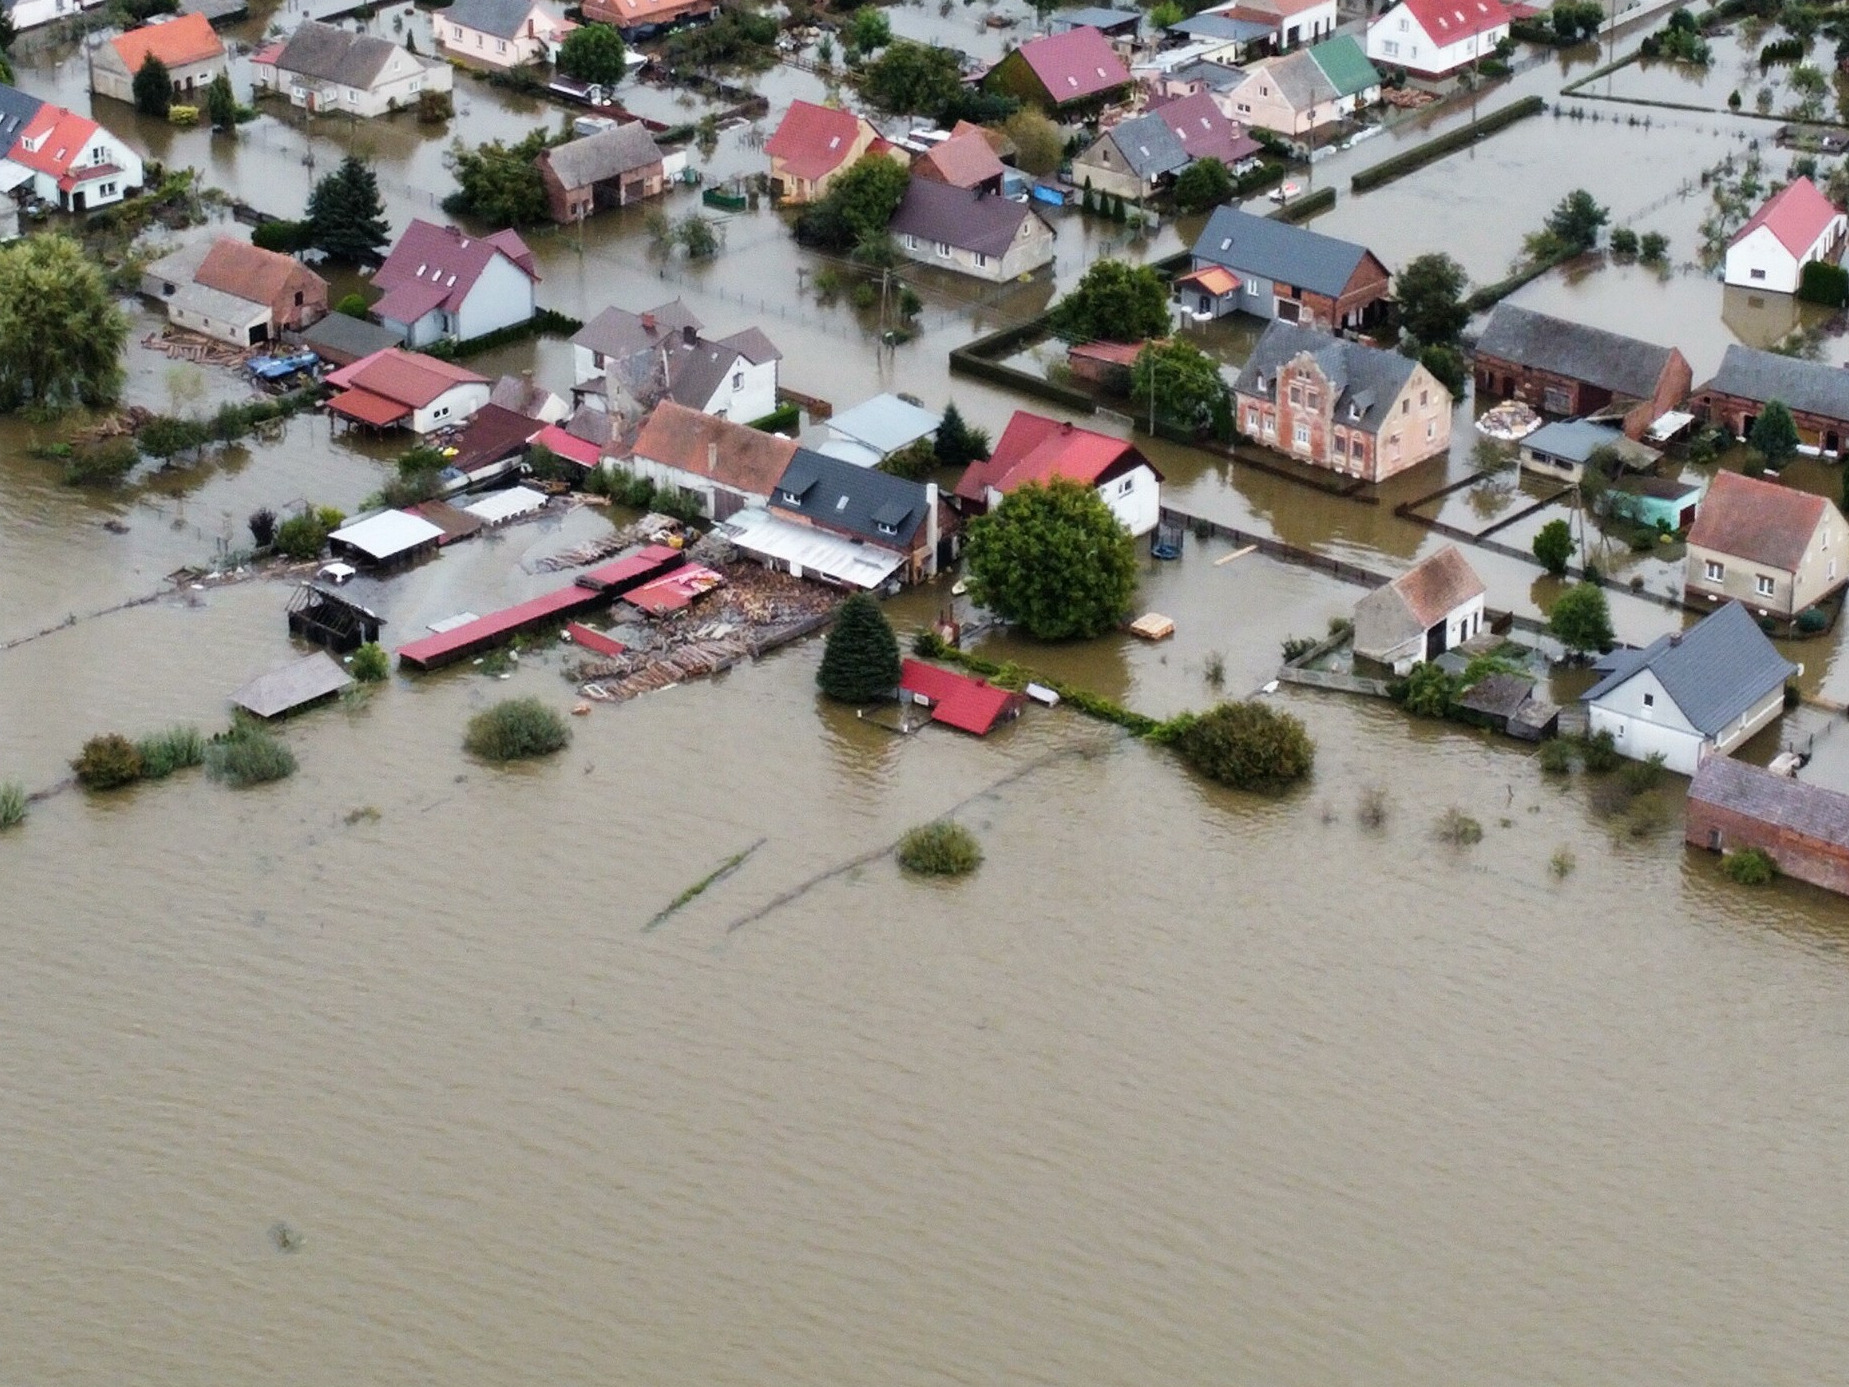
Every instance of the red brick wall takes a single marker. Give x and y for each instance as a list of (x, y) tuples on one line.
[(1804, 858), (1730, 411), (1531, 386)]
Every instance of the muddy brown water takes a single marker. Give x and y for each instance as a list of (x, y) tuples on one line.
[(1182, 1084)]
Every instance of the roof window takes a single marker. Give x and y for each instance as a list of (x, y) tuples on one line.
[(841, 505), (835, 143), (422, 268)]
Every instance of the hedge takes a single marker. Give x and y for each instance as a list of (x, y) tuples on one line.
[(1448, 143), (1011, 676), (1304, 208), (543, 323), (785, 416), (1825, 284)]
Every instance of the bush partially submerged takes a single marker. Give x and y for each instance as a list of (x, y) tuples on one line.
[(1249, 745), (173, 750), (1600, 752), (371, 664), (941, 848), (107, 761), (1750, 866), (516, 729), (12, 804), (1458, 828), (1556, 756), (249, 754)]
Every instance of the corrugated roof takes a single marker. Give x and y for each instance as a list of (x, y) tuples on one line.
[(607, 154), (387, 534), (299, 682), (957, 700), (1761, 521), (1250, 245), (758, 532), (1812, 387), (1809, 811), (1714, 671), (1609, 360), (1097, 16), (884, 423), (1075, 65), (1214, 25), (369, 408), (184, 39), (813, 141), (966, 218), (840, 496)]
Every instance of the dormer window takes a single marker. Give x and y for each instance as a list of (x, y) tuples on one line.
[(886, 529), (1354, 410), (789, 498)]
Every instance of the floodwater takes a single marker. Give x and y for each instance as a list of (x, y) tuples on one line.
[(1155, 1095)]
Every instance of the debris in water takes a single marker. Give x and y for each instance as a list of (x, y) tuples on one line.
[(719, 873), (286, 1238)]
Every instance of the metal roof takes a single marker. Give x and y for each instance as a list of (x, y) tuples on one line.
[(1345, 64), (813, 550), (344, 340), (1573, 440), (387, 534), (1250, 245), (841, 496), (498, 507), (1220, 26), (1811, 387), (295, 684), (1609, 360), (1714, 671), (884, 423)]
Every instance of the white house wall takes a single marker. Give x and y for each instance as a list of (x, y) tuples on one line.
[(1760, 261), (751, 399), (501, 297), (1135, 499), (1397, 39), (455, 405)]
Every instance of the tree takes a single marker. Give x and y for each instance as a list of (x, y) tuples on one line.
[(346, 215), (1116, 302), (858, 205), (1446, 363), (1576, 219), (1774, 435), (262, 525), (1202, 184), (1581, 618), (153, 88), (221, 103), (869, 29), (1430, 291), (958, 445), (1653, 249), (1248, 745), (1179, 382), (1554, 545), (1053, 560), (913, 79), (515, 729), (861, 660), (500, 183), (1038, 145), (593, 53), (61, 333)]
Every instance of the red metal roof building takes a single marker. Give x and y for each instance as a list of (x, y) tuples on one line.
[(399, 387), (1035, 449), (674, 591), (1793, 228), (957, 700)]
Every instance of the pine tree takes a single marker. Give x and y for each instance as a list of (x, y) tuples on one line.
[(346, 215), (958, 444), (221, 103), (153, 88), (861, 661)]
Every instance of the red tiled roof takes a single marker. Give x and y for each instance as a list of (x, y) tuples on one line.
[(745, 459), (1797, 216), (961, 701), (1204, 132), (186, 38), (429, 256), (1034, 448), (368, 408), (813, 141), (267, 55), (408, 378), (409, 302), (1438, 585), (89, 173), (963, 161), (1076, 64), (249, 272), (60, 136), (1450, 21), (1763, 522)]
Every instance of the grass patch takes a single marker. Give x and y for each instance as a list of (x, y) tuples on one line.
[(942, 848), (176, 749), (1458, 829), (12, 805), (249, 754), (516, 730), (1371, 808), (719, 873), (1748, 866)]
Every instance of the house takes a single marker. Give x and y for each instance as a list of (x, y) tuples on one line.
[(965, 160), (1290, 95), (727, 466), (661, 354), (845, 525), (1777, 549), (60, 157), (875, 429), (440, 282), (612, 168), (1657, 503), (813, 145), (1199, 78), (641, 18), (1795, 226), (1215, 36), (1563, 368), (1359, 410), (341, 341), (236, 292), (971, 232), (1247, 264), (320, 67), (492, 444), (1034, 448), (958, 700), (1561, 449), (186, 44), (524, 395), (1432, 607), (1816, 394), (501, 33), (1136, 156), (1062, 74), (1288, 23), (29, 14), (1691, 695), (1434, 38), (1344, 63), (395, 388), (1803, 828)]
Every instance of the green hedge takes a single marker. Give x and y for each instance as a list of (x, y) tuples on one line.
[(1012, 676), (1825, 284), (1304, 208), (784, 416), (1448, 143), (543, 323)]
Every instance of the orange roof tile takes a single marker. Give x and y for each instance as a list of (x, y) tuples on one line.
[(187, 38)]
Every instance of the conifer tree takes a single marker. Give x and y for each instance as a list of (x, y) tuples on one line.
[(861, 661)]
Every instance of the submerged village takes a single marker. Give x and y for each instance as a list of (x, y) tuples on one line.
[(640, 339)]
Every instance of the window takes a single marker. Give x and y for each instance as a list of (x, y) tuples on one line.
[(1296, 394), (1251, 286), (1123, 487), (455, 31), (298, 298), (789, 498), (1405, 406), (911, 242), (1755, 274), (982, 260), (597, 360), (1390, 49), (1431, 429), (1714, 572), (1424, 398), (442, 413), (943, 250), (1763, 584), (1251, 421), (500, 45), (1649, 700), (841, 505), (1301, 436), (738, 380), (1312, 400), (882, 526)]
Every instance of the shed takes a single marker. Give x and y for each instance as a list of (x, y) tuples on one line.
[(875, 429), (343, 340), (1804, 828), (957, 700), (331, 619), (1496, 699), (1433, 606), (499, 507), (1562, 449), (390, 539), (296, 685)]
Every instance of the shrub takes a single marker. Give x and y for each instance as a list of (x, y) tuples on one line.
[(1371, 808), (107, 761), (303, 536), (1427, 691), (12, 804), (1554, 546), (1649, 813), (176, 749), (103, 463), (1654, 248), (1750, 866), (861, 660), (1623, 241), (1296, 647), (371, 664), (1248, 745), (262, 525), (248, 754), (1562, 862), (1556, 757), (352, 306), (942, 848), (1458, 828), (1636, 777), (284, 237), (1600, 752), (516, 729), (1812, 620)]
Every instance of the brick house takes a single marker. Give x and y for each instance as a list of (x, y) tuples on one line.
[(1774, 548), (1804, 828), (612, 168), (1353, 409), (202, 286), (1570, 370), (1247, 264), (1816, 394)]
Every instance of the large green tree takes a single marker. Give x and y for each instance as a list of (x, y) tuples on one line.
[(1554, 546), (221, 103), (1576, 219), (61, 333), (1774, 435), (500, 183), (857, 207), (1581, 618), (1053, 560), (861, 660), (1430, 291), (913, 79), (153, 88), (1202, 184), (1116, 302), (593, 53), (1178, 382), (958, 443), (346, 215)]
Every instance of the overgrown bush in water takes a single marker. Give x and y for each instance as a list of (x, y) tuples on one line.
[(249, 754), (1562, 862), (1458, 828), (1371, 809), (1639, 776), (371, 664), (1649, 813), (943, 848), (1556, 757), (166, 752), (1249, 745), (107, 761), (516, 729), (12, 804), (1600, 752), (1750, 866), (103, 463)]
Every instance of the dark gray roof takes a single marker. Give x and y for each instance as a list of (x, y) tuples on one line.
[(16, 111), (1810, 386), (607, 154), (1809, 811), (619, 333), (1148, 146), (1715, 670), (299, 682), (752, 344), (966, 218), (1096, 16), (1214, 76), (1220, 26), (213, 10), (1609, 360), (501, 18), (349, 337), (840, 496), (335, 55), (1366, 379), (1259, 246)]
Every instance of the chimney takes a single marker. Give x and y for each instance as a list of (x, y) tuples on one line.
[(1066, 426), (690, 334), (930, 563), (1675, 640), (648, 322), (712, 458)]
